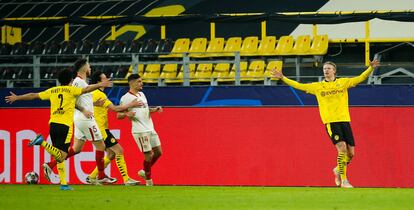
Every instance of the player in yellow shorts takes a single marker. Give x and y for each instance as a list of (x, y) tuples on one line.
[(113, 149), (62, 105), (332, 97)]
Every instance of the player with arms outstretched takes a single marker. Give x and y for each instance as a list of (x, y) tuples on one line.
[(332, 97)]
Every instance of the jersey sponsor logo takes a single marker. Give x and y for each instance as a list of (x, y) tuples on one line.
[(331, 92)]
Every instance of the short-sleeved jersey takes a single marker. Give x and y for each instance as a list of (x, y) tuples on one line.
[(332, 96), (62, 103), (85, 100), (142, 121), (101, 112)]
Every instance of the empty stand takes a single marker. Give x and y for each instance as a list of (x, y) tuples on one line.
[(198, 45), (215, 45), (319, 45), (249, 45), (169, 72), (203, 73), (255, 71), (284, 45), (151, 73), (233, 44), (302, 45), (181, 46)]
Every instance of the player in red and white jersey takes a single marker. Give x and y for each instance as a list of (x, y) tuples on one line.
[(142, 126)]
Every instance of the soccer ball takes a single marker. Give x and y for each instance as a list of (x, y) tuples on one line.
[(31, 178)]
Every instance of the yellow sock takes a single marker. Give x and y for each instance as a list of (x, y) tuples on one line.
[(95, 171), (348, 159), (341, 161), (55, 152), (62, 173), (120, 162)]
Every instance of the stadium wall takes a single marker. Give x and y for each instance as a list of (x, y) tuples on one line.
[(201, 96), (259, 146)]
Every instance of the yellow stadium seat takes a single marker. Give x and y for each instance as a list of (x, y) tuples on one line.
[(255, 71), (152, 73), (140, 70), (232, 73), (267, 46), (302, 45), (249, 45), (284, 45), (169, 71), (180, 76), (319, 45), (198, 45), (215, 45), (272, 65), (233, 44), (181, 46), (221, 70), (203, 73)]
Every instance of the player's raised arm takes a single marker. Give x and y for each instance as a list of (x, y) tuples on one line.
[(279, 75), (103, 84), (121, 108), (26, 97), (364, 75)]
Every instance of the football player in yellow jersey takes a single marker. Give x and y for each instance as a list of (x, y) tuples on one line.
[(332, 97), (62, 105), (113, 149)]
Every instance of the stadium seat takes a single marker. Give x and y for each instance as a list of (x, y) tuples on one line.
[(5, 49), (117, 47), (302, 45), (215, 45), (319, 45), (20, 48), (84, 47), (8, 73), (267, 46), (68, 48), (36, 48), (134, 46), (52, 48), (198, 45), (221, 70), (255, 71), (120, 73), (181, 45), (232, 74), (164, 46), (169, 71), (203, 73), (272, 65), (249, 45), (151, 73), (284, 45), (180, 76), (233, 44), (148, 46), (103, 47)]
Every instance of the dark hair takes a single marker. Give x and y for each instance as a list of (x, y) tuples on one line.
[(96, 77), (133, 77), (65, 77), (79, 64)]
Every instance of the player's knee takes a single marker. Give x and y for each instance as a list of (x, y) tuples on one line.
[(341, 146)]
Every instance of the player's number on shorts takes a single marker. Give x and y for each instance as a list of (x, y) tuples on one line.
[(60, 96)]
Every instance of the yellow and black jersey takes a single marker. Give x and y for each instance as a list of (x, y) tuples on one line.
[(62, 103), (101, 112), (332, 96)]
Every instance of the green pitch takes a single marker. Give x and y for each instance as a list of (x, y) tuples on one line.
[(199, 197)]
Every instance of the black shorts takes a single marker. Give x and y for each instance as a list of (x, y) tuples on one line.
[(60, 135), (340, 131), (110, 140)]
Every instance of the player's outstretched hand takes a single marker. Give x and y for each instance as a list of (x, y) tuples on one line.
[(375, 63), (158, 109), (276, 74), (11, 98), (106, 83)]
